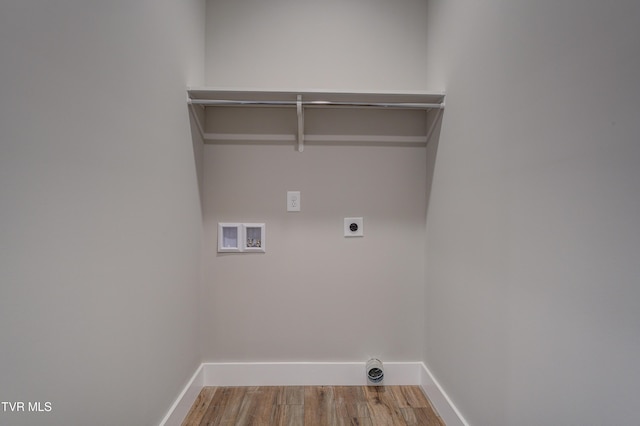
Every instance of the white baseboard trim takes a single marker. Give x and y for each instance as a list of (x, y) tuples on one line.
[(305, 373), (185, 400), (440, 400), (310, 374)]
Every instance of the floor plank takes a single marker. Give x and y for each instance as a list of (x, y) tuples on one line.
[(383, 405), (256, 407), (313, 406), (289, 415), (293, 395), (421, 417), (224, 406), (350, 402), (199, 407), (319, 406), (409, 396)]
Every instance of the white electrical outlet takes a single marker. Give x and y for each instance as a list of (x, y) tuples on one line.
[(293, 201)]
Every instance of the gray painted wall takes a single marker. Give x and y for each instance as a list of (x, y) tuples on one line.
[(532, 227), (100, 222), (332, 45), (315, 295)]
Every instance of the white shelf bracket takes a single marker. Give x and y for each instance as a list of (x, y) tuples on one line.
[(197, 120), (434, 124), (300, 111)]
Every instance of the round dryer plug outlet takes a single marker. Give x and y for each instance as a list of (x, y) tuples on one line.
[(353, 227)]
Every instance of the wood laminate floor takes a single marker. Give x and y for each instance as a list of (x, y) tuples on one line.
[(312, 405)]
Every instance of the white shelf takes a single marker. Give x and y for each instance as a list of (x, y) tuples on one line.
[(315, 116)]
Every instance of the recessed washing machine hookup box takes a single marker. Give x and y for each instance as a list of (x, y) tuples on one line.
[(229, 237), (254, 237)]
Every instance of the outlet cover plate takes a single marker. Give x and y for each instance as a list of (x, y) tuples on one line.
[(293, 201), (353, 227)]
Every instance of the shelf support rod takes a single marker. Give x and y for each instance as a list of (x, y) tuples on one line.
[(300, 112), (317, 104)]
